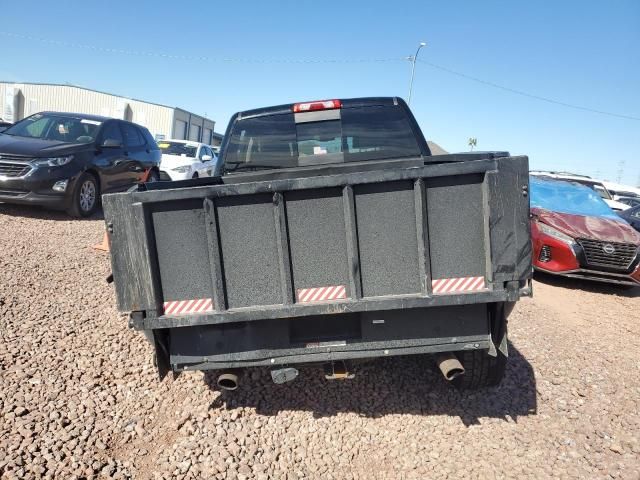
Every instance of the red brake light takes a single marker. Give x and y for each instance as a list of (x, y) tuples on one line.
[(317, 105)]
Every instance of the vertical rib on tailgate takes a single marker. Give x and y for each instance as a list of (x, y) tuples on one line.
[(415, 233)]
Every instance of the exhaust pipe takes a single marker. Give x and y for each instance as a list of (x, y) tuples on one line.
[(450, 366), (228, 381)]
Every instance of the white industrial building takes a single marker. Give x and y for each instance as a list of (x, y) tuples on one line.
[(19, 100)]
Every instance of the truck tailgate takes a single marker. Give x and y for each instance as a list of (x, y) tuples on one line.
[(439, 234)]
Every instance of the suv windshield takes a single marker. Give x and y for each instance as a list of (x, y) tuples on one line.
[(178, 148), (56, 127), (349, 134)]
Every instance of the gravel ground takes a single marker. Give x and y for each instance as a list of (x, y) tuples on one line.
[(79, 397)]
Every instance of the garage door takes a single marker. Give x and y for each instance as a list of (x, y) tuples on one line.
[(194, 134), (206, 136), (180, 130)]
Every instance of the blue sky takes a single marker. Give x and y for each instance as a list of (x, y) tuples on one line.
[(578, 52)]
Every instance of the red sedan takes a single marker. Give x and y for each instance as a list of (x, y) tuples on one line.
[(575, 234)]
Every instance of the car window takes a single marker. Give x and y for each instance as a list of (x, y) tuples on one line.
[(148, 137), (377, 132), (602, 191), (178, 148), (319, 138), (56, 127), (36, 129), (132, 136), (111, 132), (359, 133), (636, 213)]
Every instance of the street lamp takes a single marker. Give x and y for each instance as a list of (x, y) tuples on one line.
[(413, 59)]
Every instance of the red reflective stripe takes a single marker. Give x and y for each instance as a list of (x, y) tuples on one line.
[(335, 292), (316, 294), (304, 293), (197, 307), (186, 305), (168, 306), (319, 294), (478, 284), (326, 295), (445, 287), (194, 305), (458, 284), (435, 285), (178, 307), (467, 283), (449, 285)]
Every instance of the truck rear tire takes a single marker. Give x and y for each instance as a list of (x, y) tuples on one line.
[(481, 369)]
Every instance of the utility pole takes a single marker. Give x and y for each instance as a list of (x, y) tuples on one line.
[(413, 59), (620, 171)]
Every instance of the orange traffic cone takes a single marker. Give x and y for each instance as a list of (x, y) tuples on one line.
[(104, 246)]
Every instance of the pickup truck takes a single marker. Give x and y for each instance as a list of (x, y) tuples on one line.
[(329, 235)]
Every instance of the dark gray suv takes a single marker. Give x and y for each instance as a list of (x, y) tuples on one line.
[(67, 160)]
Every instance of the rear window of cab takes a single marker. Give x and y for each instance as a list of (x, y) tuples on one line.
[(349, 135)]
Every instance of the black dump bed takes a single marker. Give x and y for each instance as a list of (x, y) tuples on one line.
[(264, 265)]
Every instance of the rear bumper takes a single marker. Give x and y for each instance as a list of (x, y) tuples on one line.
[(304, 356), (324, 338)]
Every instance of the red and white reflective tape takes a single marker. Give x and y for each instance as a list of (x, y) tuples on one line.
[(181, 307), (320, 294), (461, 284)]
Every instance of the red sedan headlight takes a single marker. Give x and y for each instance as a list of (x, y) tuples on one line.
[(557, 234)]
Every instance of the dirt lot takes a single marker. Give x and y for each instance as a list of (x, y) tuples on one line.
[(79, 396)]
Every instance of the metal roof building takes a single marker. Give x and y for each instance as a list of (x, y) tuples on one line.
[(19, 100)]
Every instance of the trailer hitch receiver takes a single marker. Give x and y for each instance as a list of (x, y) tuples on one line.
[(337, 370)]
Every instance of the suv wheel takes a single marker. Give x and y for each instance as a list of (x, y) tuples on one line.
[(86, 196)]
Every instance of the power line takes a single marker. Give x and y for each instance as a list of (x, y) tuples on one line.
[(525, 94), (199, 58), (307, 61)]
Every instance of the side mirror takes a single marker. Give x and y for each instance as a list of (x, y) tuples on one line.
[(207, 158), (111, 143)]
